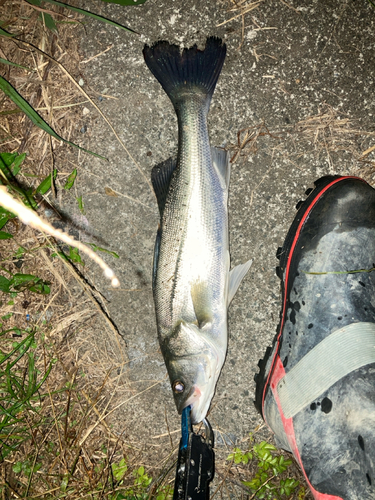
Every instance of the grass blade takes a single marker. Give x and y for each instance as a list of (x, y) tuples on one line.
[(9, 112), (46, 184), (49, 22), (5, 236), (45, 376), (5, 61), (6, 33), (28, 341), (12, 93), (91, 14), (70, 181), (14, 160)]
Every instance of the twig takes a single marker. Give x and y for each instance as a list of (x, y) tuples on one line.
[(290, 7), (222, 482), (261, 486), (247, 9), (97, 55)]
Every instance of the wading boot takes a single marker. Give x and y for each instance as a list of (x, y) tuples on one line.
[(316, 386)]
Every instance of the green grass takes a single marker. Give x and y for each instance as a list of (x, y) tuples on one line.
[(20, 389), (270, 476)]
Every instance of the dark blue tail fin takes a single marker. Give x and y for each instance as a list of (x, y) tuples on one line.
[(182, 71)]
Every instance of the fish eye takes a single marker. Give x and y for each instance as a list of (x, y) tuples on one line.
[(178, 387)]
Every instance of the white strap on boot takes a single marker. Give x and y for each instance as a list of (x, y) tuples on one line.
[(342, 352)]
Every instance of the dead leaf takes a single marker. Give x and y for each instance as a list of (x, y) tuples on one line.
[(110, 192)]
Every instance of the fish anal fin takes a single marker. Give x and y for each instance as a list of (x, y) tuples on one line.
[(236, 275), (161, 175), (220, 162), (156, 257)]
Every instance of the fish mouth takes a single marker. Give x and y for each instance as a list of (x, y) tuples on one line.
[(199, 400), (199, 412), (193, 399)]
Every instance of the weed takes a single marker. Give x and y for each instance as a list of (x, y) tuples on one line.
[(20, 282), (141, 483), (20, 383), (81, 205), (70, 180), (118, 470), (73, 255), (268, 481), (55, 443), (10, 167), (96, 248), (26, 467)]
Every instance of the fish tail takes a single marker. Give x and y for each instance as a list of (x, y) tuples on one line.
[(178, 72)]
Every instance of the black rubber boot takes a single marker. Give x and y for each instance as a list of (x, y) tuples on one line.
[(316, 386)]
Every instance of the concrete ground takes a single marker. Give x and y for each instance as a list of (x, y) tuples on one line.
[(306, 70)]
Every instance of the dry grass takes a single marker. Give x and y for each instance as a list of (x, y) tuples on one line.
[(247, 141), (53, 96), (326, 135), (239, 10), (331, 132)]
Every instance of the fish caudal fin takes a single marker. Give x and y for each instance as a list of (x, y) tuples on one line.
[(177, 71)]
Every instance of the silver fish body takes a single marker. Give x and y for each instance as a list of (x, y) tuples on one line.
[(191, 279)]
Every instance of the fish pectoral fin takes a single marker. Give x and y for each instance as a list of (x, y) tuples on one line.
[(161, 175), (220, 162), (200, 296), (236, 275)]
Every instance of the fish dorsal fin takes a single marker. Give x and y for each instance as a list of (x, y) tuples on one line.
[(200, 296), (220, 162), (161, 177), (236, 275)]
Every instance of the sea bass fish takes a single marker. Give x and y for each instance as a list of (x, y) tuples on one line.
[(192, 284)]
